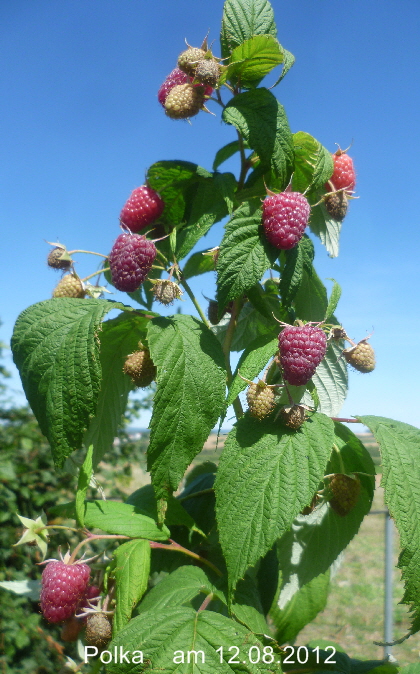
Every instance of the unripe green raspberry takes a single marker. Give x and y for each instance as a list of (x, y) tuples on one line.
[(69, 286), (184, 101), (293, 417), (361, 356), (189, 59), (207, 72), (260, 399), (344, 491), (166, 291), (140, 367), (98, 630)]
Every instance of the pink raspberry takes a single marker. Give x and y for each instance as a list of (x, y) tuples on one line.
[(344, 175), (174, 78), (285, 217), (62, 587), (142, 208), (301, 350), (130, 260)]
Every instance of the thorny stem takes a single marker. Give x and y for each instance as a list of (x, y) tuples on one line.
[(91, 252), (175, 547), (95, 273), (236, 310), (96, 537)]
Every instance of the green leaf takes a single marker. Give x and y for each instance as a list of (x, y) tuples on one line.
[(250, 325), (170, 637), (253, 60), (212, 201), (252, 360), (118, 338), (313, 163), (298, 259), (225, 153), (116, 518), (325, 227), (173, 180), (244, 255), (288, 62), (132, 568), (399, 444), (85, 474), (262, 121), (145, 499), (290, 618), (265, 298), (331, 381), (242, 19), (201, 507), (198, 263), (191, 383), (333, 301), (266, 475), (56, 351), (311, 298), (315, 540), (177, 589), (246, 606)]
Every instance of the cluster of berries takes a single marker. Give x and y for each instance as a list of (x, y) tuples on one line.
[(185, 89), (301, 350), (340, 186), (286, 215), (65, 592)]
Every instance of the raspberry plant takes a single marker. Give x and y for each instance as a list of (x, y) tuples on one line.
[(257, 535)]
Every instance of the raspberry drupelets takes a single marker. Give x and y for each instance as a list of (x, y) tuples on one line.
[(285, 217), (130, 260), (62, 588), (301, 350), (344, 175), (143, 207), (175, 78)]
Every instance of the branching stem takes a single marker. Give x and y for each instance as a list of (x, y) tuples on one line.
[(175, 547)]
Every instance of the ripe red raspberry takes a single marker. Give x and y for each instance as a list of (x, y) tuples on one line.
[(344, 175), (285, 217), (301, 350), (62, 587), (143, 207), (130, 260)]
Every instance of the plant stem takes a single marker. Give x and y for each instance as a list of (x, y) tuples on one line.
[(210, 490), (347, 421), (193, 299), (91, 252), (96, 537), (175, 547), (244, 163), (59, 526), (95, 273), (206, 602), (237, 306)]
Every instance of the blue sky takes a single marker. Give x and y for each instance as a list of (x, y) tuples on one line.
[(81, 124)]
